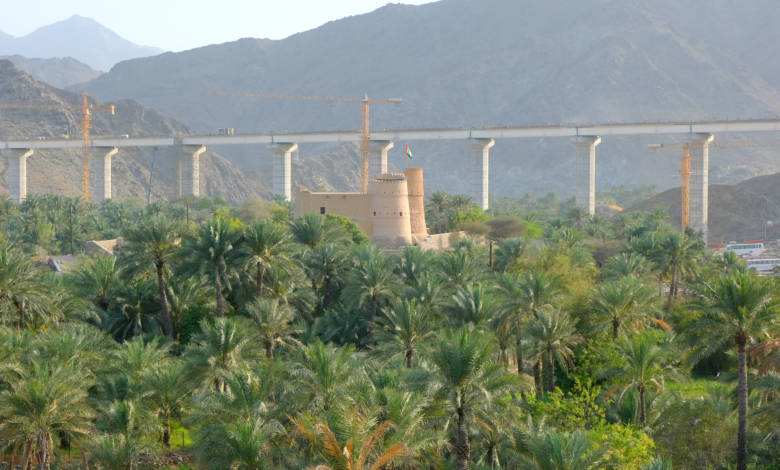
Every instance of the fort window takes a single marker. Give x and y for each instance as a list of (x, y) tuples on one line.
[(322, 210), (401, 214), (375, 213)]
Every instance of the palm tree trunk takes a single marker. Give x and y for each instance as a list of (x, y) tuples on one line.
[(43, 461), (220, 300), (615, 327), (409, 353), (167, 432), (27, 454), (259, 279), (550, 366), (642, 406), (166, 311), (742, 396), (538, 377), (519, 351), (462, 448), (672, 287), (269, 349), (493, 457)]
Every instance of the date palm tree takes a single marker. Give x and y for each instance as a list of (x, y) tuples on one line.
[(274, 324), (463, 376), (519, 297), (403, 330), (645, 364), (372, 279), (620, 302), (312, 230), (553, 333), (44, 402), (214, 253), (736, 309), (219, 348), (96, 280), (361, 452), (168, 390), (472, 307), (22, 288), (562, 450), (266, 243), (152, 245), (675, 255)]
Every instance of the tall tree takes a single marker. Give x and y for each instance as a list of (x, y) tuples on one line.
[(96, 279), (520, 296), (463, 376), (266, 243), (152, 244), (553, 333), (213, 252), (676, 256), (372, 279), (645, 365), (736, 309), (22, 288), (274, 324), (404, 328), (44, 402), (617, 303)]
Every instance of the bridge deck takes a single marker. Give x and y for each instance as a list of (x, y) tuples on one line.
[(521, 132)]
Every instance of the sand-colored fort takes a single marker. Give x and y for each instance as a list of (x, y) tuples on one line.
[(391, 213)]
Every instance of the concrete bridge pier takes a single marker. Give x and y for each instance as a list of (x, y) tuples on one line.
[(282, 169), (189, 170), (17, 174), (377, 157), (585, 168), (698, 146), (100, 169), (479, 158)]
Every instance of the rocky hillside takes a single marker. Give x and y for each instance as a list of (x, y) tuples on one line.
[(57, 72), (58, 171), (493, 62), (81, 38), (737, 212)]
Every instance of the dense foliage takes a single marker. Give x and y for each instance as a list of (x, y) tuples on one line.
[(242, 338)]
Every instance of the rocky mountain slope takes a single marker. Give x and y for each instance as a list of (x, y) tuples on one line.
[(57, 72), (81, 38), (493, 62), (58, 171), (737, 212)]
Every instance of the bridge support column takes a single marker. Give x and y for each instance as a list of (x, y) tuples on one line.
[(17, 174), (377, 157), (189, 170), (101, 173), (282, 169), (479, 158), (700, 168), (585, 168)]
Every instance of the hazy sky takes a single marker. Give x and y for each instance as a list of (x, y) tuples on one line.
[(183, 24)]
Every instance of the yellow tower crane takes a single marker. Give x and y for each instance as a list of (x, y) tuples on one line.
[(365, 133), (86, 125)]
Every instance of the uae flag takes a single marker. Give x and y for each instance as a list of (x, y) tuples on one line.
[(409, 152)]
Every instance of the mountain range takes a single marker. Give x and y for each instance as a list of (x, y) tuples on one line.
[(78, 37), (465, 63), (58, 171), (58, 72)]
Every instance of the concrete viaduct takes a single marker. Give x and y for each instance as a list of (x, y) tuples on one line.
[(585, 139)]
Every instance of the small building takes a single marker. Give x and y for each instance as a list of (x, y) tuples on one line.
[(391, 213)]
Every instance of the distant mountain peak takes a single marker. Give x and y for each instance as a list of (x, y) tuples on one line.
[(79, 37)]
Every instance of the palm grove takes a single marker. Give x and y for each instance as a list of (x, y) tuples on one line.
[(241, 337)]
